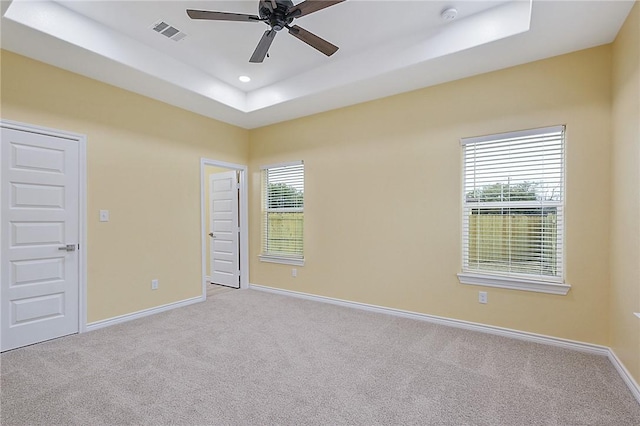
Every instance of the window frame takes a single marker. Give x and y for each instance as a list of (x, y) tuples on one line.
[(270, 257), (513, 280)]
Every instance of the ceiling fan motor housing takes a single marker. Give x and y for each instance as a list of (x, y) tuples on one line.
[(278, 14), (277, 18)]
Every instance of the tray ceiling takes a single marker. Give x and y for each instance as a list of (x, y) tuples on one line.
[(386, 47)]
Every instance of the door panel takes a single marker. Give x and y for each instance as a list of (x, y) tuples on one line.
[(224, 228), (40, 214), (42, 196), (36, 271)]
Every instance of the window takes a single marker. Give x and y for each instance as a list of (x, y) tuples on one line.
[(513, 210), (283, 213)]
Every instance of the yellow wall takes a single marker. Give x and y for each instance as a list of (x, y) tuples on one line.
[(625, 195), (383, 195), (208, 171), (143, 161)]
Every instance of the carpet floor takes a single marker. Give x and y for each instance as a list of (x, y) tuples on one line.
[(214, 289), (250, 357)]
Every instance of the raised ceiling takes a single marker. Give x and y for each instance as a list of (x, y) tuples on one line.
[(386, 47)]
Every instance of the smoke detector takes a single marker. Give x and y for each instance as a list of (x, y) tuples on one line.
[(449, 14)]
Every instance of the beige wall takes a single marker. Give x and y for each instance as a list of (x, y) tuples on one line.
[(143, 165), (208, 171), (383, 195), (625, 195)]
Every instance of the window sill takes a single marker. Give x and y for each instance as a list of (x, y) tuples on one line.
[(283, 260), (514, 283)]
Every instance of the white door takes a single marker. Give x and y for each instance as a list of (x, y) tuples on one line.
[(40, 233), (223, 196)]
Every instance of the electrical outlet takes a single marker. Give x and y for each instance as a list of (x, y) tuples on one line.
[(482, 297), (294, 272), (104, 215), (154, 284)]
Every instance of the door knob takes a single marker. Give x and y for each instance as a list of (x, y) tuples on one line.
[(68, 247), (211, 235)]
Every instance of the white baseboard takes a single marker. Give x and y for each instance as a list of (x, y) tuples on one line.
[(467, 325), (624, 373), (140, 314)]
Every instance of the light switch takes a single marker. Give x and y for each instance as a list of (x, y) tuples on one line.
[(104, 215)]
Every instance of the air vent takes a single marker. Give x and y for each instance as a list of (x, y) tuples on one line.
[(168, 31)]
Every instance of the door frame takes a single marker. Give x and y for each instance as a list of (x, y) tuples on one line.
[(82, 206), (243, 223)]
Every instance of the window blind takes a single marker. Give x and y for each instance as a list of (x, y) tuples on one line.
[(283, 210), (513, 204)]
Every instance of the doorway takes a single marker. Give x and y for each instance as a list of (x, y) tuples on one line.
[(224, 226)]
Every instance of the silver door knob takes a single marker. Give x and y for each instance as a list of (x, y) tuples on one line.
[(211, 235), (68, 247)]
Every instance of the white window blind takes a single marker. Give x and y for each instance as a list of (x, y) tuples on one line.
[(283, 211), (513, 206)]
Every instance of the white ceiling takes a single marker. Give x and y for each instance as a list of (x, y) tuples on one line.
[(386, 47)]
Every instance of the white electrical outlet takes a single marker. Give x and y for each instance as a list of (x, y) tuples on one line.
[(294, 272), (482, 297), (154, 284), (104, 215)]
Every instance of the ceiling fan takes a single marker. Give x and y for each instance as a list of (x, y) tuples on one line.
[(278, 14)]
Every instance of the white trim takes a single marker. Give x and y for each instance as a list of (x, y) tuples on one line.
[(296, 261), (222, 164), (244, 221), (32, 128), (286, 164), (625, 375), (466, 325), (82, 205), (512, 135), (82, 237), (244, 228), (514, 283), (143, 313)]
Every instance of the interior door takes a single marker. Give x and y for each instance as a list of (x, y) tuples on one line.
[(223, 196), (40, 216)]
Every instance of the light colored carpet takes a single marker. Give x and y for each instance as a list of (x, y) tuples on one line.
[(249, 357)]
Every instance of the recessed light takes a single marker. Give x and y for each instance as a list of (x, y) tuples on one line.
[(244, 78), (449, 14)]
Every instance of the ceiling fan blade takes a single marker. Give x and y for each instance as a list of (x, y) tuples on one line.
[(263, 46), (222, 16), (310, 6), (313, 40)]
